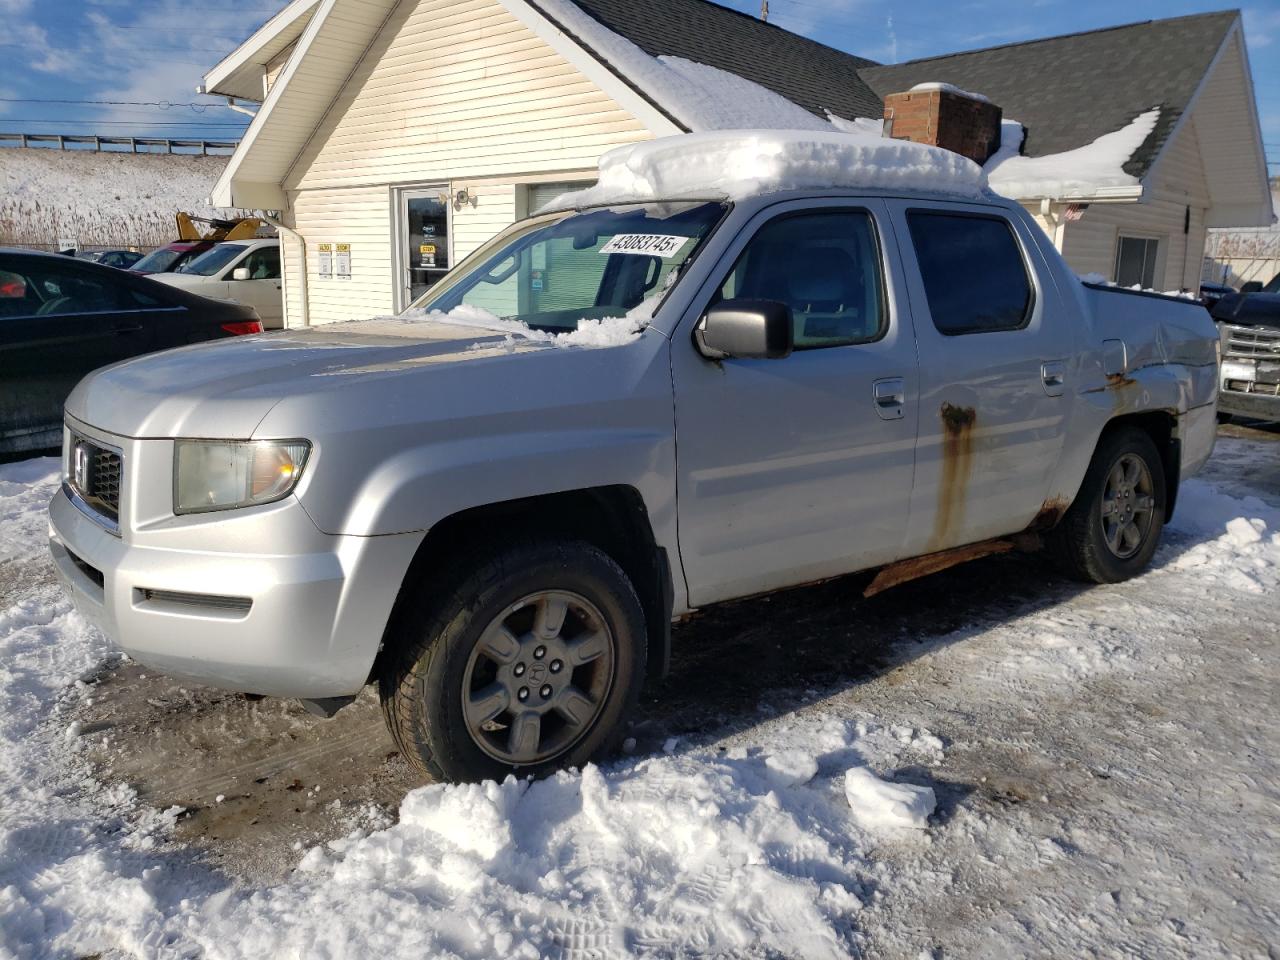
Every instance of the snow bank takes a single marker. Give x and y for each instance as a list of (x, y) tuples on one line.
[(877, 803), (741, 163), (101, 199), (1239, 546), (1083, 172), (24, 493)]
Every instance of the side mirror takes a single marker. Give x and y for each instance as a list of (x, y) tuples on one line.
[(240, 273), (746, 329), (1253, 286)]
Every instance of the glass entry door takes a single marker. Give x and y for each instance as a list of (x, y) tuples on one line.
[(424, 219)]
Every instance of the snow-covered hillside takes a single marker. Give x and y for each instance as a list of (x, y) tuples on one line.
[(100, 199)]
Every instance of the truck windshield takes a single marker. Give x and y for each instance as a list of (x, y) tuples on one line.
[(212, 261), (554, 272), (1273, 286), (157, 261)]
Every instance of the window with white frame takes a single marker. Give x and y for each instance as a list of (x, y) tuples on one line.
[(1136, 262)]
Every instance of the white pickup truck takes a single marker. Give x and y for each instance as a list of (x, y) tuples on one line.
[(640, 403)]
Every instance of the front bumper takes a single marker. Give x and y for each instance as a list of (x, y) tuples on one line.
[(258, 601)]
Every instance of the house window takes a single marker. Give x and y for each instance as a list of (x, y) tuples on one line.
[(1136, 262)]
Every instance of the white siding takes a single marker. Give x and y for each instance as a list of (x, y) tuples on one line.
[(1176, 183), (1227, 119), (362, 218), (456, 93), (272, 71)]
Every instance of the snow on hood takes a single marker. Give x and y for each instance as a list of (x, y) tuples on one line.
[(740, 163), (606, 332), (1082, 172)]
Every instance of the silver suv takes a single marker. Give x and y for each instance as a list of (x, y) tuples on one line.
[(495, 506)]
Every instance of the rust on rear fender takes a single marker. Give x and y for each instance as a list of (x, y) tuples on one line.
[(1050, 514)]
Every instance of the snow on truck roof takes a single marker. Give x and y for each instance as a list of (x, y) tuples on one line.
[(736, 164)]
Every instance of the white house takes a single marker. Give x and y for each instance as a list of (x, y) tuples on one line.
[(395, 136)]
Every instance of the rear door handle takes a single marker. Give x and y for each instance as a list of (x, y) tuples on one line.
[(1053, 373), (128, 327), (890, 397)]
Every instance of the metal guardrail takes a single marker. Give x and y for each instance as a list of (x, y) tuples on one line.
[(117, 144)]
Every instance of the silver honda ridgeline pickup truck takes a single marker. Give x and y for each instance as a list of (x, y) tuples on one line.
[(497, 525)]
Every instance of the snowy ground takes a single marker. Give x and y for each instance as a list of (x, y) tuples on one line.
[(1105, 764)]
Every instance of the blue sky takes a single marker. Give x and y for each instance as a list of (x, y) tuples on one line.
[(156, 50)]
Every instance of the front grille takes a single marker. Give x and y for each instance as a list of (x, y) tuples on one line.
[(96, 476), (1253, 386), (1243, 342)]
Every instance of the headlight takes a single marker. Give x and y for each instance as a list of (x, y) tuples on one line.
[(222, 475)]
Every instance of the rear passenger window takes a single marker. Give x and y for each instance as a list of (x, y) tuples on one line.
[(973, 272), (825, 267)]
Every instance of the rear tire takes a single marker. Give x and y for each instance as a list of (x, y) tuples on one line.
[(526, 661), (1111, 531)]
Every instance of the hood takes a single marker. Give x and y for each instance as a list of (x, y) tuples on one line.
[(225, 389), (182, 280), (1249, 309)]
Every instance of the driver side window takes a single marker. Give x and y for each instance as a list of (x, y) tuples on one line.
[(263, 264), (825, 267)]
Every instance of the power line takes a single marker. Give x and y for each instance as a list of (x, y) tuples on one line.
[(166, 104), (131, 123)]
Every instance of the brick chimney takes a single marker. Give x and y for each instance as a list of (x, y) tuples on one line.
[(945, 116)]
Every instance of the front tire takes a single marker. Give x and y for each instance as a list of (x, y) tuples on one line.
[(529, 663), (1111, 531)]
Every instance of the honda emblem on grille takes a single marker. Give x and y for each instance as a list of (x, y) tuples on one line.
[(80, 468)]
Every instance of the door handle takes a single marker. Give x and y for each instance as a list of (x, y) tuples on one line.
[(128, 328), (1053, 373), (890, 396)]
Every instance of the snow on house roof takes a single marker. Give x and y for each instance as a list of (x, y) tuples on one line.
[(1094, 170), (698, 96), (739, 163), (809, 74)]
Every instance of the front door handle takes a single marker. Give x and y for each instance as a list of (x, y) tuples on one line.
[(890, 396), (1053, 373), (123, 328)]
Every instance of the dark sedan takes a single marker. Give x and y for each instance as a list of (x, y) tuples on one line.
[(61, 318), (122, 259)]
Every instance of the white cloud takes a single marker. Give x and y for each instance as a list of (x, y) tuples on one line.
[(1260, 26)]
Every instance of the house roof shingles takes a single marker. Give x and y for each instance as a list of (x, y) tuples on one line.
[(816, 77), (1068, 91)]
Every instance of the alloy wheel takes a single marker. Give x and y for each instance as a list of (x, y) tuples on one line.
[(538, 677), (1128, 506)]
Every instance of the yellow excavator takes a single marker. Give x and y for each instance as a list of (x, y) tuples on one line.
[(217, 231)]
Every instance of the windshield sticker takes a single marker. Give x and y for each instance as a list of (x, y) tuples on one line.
[(645, 245)]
